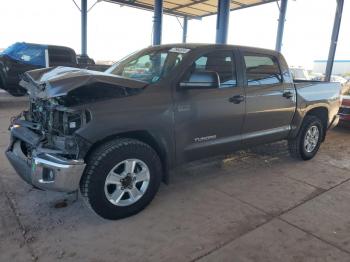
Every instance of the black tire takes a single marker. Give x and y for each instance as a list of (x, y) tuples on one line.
[(17, 92), (102, 160), (296, 146)]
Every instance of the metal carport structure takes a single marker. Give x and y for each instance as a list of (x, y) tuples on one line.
[(197, 9)]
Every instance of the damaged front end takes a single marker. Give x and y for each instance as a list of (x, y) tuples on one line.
[(44, 149)]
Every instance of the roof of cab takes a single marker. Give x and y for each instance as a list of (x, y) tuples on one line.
[(208, 46)]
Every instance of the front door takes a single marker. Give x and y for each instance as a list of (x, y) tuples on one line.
[(209, 118)]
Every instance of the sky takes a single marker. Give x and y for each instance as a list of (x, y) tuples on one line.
[(114, 31)]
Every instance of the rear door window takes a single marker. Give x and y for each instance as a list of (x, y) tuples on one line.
[(61, 56), (262, 70)]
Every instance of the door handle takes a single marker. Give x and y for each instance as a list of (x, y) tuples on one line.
[(236, 99), (287, 94)]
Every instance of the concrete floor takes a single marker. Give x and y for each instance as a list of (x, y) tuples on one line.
[(254, 205)]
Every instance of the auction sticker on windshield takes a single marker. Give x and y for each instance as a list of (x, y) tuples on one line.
[(179, 50)]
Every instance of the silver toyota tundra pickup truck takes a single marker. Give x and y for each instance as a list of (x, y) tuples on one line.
[(115, 135)]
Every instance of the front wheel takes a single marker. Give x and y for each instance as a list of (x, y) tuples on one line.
[(308, 141), (121, 178), (17, 92)]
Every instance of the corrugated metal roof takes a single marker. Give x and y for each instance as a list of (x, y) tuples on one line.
[(190, 8)]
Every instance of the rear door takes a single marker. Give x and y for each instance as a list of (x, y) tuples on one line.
[(208, 121), (270, 100)]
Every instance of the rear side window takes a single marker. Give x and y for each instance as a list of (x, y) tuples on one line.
[(61, 56), (262, 70), (221, 62)]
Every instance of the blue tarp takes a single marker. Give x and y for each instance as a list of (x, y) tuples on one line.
[(33, 54)]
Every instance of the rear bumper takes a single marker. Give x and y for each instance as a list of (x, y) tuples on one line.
[(45, 171)]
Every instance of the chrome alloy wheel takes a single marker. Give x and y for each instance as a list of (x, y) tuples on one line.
[(311, 139), (127, 182)]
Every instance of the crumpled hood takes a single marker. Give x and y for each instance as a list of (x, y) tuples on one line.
[(59, 81)]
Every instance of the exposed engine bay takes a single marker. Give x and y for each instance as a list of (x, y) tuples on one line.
[(52, 119), (49, 128)]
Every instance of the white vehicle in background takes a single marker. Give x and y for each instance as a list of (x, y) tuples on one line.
[(317, 76), (338, 79), (300, 73)]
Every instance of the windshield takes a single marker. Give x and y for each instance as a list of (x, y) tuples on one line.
[(27, 53), (149, 65)]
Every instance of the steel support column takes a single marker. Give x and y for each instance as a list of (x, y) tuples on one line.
[(157, 22), (222, 21), (83, 27), (280, 29), (334, 39), (184, 30)]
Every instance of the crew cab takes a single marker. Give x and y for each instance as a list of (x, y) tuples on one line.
[(115, 135), (21, 57)]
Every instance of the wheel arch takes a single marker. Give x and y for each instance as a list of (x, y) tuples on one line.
[(145, 137), (321, 113)]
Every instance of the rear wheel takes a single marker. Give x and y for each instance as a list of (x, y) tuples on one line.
[(121, 178), (308, 141)]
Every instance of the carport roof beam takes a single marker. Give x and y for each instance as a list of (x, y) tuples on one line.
[(191, 8)]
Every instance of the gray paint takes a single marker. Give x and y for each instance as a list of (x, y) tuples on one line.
[(59, 81), (193, 124)]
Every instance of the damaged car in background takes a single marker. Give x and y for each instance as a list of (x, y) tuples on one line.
[(21, 57), (115, 135)]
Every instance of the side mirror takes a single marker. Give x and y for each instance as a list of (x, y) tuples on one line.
[(201, 80)]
